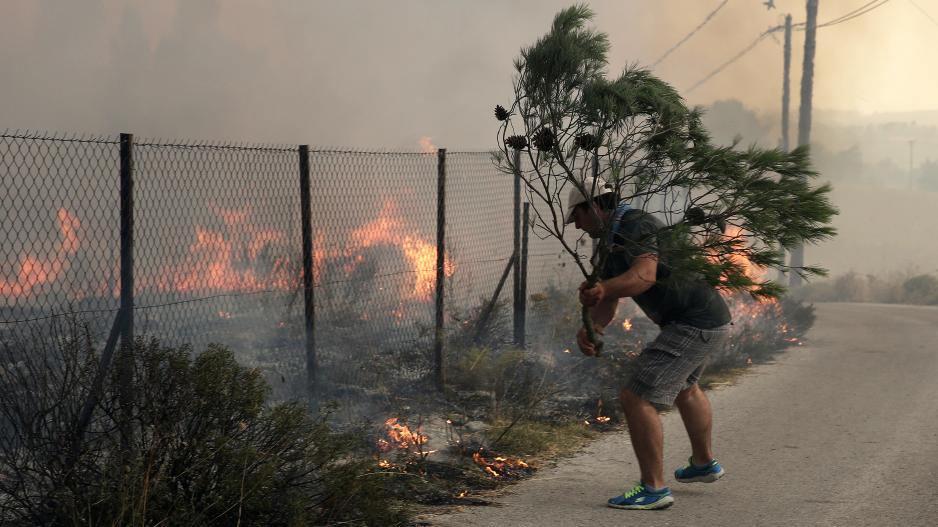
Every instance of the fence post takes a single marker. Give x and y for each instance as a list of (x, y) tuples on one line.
[(524, 273), (516, 278), (125, 357), (309, 305), (440, 263)]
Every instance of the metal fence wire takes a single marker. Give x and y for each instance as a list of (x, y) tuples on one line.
[(218, 252)]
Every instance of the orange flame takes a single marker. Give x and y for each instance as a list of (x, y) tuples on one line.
[(35, 271), (627, 324), (388, 229), (426, 145), (214, 263), (499, 466), (600, 418), (754, 272), (401, 437)]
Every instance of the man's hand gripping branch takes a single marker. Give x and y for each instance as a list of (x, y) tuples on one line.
[(602, 298)]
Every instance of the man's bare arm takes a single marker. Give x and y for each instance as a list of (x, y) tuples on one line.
[(639, 278)]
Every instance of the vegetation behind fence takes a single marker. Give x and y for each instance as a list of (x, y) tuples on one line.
[(204, 242)]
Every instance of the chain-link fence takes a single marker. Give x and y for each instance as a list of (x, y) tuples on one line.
[(217, 252)]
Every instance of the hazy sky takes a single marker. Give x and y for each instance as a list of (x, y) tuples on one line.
[(371, 73)]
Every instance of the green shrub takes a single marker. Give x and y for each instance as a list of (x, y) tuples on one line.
[(205, 450)]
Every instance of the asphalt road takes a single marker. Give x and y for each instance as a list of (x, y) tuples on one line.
[(840, 431)]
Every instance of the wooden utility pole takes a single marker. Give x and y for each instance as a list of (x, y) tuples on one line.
[(804, 114), (786, 85), (786, 97)]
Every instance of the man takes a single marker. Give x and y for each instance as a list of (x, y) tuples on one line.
[(693, 319)]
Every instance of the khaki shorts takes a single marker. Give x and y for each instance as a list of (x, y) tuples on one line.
[(674, 361)]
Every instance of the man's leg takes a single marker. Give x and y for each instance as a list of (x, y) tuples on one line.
[(698, 420), (647, 437)]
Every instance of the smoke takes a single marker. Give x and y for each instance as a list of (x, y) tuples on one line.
[(383, 74), (372, 74)]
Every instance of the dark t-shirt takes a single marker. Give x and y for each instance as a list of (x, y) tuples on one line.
[(685, 300)]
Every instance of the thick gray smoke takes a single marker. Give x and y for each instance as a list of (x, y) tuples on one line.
[(375, 74)]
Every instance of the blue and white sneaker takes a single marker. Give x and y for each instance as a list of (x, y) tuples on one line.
[(708, 473), (640, 498)]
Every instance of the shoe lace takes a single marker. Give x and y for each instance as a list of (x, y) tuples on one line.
[(638, 488)]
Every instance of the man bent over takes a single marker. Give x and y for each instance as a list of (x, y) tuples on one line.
[(693, 319)]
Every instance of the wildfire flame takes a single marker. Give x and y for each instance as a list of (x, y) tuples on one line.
[(401, 437), (35, 271), (426, 145), (500, 466), (389, 229), (627, 324), (600, 418), (235, 254), (754, 272), (236, 258)]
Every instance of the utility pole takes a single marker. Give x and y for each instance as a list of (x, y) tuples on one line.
[(786, 97), (804, 114), (911, 156), (786, 85)]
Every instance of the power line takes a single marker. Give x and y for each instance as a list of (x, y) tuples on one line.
[(924, 12), (862, 10), (736, 57), (866, 8), (694, 31)]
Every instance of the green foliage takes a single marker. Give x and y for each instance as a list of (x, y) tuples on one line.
[(568, 117), (205, 450), (529, 437), (481, 368)]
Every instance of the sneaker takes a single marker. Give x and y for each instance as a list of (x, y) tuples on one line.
[(638, 497), (708, 473)]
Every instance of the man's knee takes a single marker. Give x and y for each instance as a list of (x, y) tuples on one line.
[(630, 399), (691, 392), (627, 397)]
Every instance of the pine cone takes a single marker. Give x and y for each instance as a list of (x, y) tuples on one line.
[(501, 113), (694, 216), (518, 142), (585, 141), (544, 139)]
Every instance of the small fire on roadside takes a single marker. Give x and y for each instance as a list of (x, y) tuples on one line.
[(401, 437), (600, 418), (500, 467)]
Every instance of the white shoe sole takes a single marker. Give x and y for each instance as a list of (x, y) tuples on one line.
[(709, 478)]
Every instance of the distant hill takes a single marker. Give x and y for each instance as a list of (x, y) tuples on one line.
[(847, 118)]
